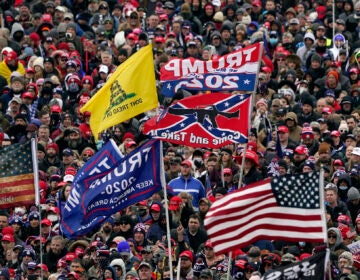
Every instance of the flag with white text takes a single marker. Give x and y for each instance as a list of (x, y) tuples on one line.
[(235, 71), (106, 185), (286, 208), (312, 268), (207, 120)]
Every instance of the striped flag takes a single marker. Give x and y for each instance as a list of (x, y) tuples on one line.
[(288, 208), (16, 176)]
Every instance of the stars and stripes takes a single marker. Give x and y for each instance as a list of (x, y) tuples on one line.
[(16, 176), (286, 208)]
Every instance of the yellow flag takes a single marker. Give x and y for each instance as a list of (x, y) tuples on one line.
[(130, 91)]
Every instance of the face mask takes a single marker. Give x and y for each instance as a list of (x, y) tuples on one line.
[(45, 33), (320, 49), (18, 36), (273, 41), (358, 13), (343, 188), (142, 212), (302, 89), (94, 28), (68, 35), (302, 244), (73, 87), (53, 218)]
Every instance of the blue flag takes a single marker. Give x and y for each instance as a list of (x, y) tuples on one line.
[(108, 183)]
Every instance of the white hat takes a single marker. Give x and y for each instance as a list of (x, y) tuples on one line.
[(104, 69), (356, 151), (61, 9)]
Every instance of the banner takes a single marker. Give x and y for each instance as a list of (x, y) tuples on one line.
[(16, 176), (105, 186), (234, 71), (287, 208), (130, 91), (207, 120), (311, 268)]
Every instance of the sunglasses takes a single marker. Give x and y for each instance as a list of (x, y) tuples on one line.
[(280, 59), (331, 236), (103, 8), (134, 17), (64, 59)]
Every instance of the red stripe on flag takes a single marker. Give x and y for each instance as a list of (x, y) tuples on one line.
[(14, 183)]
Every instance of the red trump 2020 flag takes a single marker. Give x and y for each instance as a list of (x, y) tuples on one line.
[(207, 120), (288, 208)]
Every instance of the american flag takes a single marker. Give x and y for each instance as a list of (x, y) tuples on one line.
[(16, 176), (288, 208)]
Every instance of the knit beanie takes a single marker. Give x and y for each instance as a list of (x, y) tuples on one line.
[(347, 255), (353, 193), (324, 148), (333, 73)]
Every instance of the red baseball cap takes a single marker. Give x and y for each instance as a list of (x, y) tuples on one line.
[(155, 207), (187, 163), (130, 144), (335, 133), (227, 171), (27, 95), (187, 254), (327, 110), (338, 162), (257, 3), (175, 203), (46, 222), (8, 237), (283, 129)]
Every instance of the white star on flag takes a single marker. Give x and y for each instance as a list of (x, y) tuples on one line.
[(168, 86), (247, 81)]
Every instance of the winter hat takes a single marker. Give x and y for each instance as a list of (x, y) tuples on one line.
[(39, 62), (262, 101), (347, 255), (123, 248), (316, 57), (353, 193), (333, 73), (324, 148)]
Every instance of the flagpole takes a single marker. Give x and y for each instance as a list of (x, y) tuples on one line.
[(37, 191), (322, 203), (252, 101), (168, 235), (229, 266)]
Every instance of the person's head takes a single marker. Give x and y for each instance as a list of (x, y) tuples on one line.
[(4, 219), (57, 244), (331, 193), (194, 223), (345, 260), (186, 168), (186, 260), (145, 271)]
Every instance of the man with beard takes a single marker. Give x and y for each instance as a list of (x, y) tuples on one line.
[(105, 230), (301, 153), (56, 252), (76, 141), (324, 155), (13, 109), (16, 87), (51, 158), (307, 139), (186, 264), (17, 132)]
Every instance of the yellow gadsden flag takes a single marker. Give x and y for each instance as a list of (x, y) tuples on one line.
[(130, 91)]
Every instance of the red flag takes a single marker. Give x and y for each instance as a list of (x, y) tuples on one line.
[(208, 120), (286, 208)]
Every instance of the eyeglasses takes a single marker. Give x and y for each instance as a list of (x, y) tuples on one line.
[(64, 59), (103, 8), (331, 236)]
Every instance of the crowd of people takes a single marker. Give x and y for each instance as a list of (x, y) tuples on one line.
[(56, 55)]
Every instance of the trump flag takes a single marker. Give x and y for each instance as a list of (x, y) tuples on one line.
[(104, 186), (207, 120), (130, 91), (289, 208), (234, 71)]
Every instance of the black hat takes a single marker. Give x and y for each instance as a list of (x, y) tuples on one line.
[(226, 151), (49, 59), (20, 116)]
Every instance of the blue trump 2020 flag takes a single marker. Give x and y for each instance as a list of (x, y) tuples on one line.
[(108, 183)]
